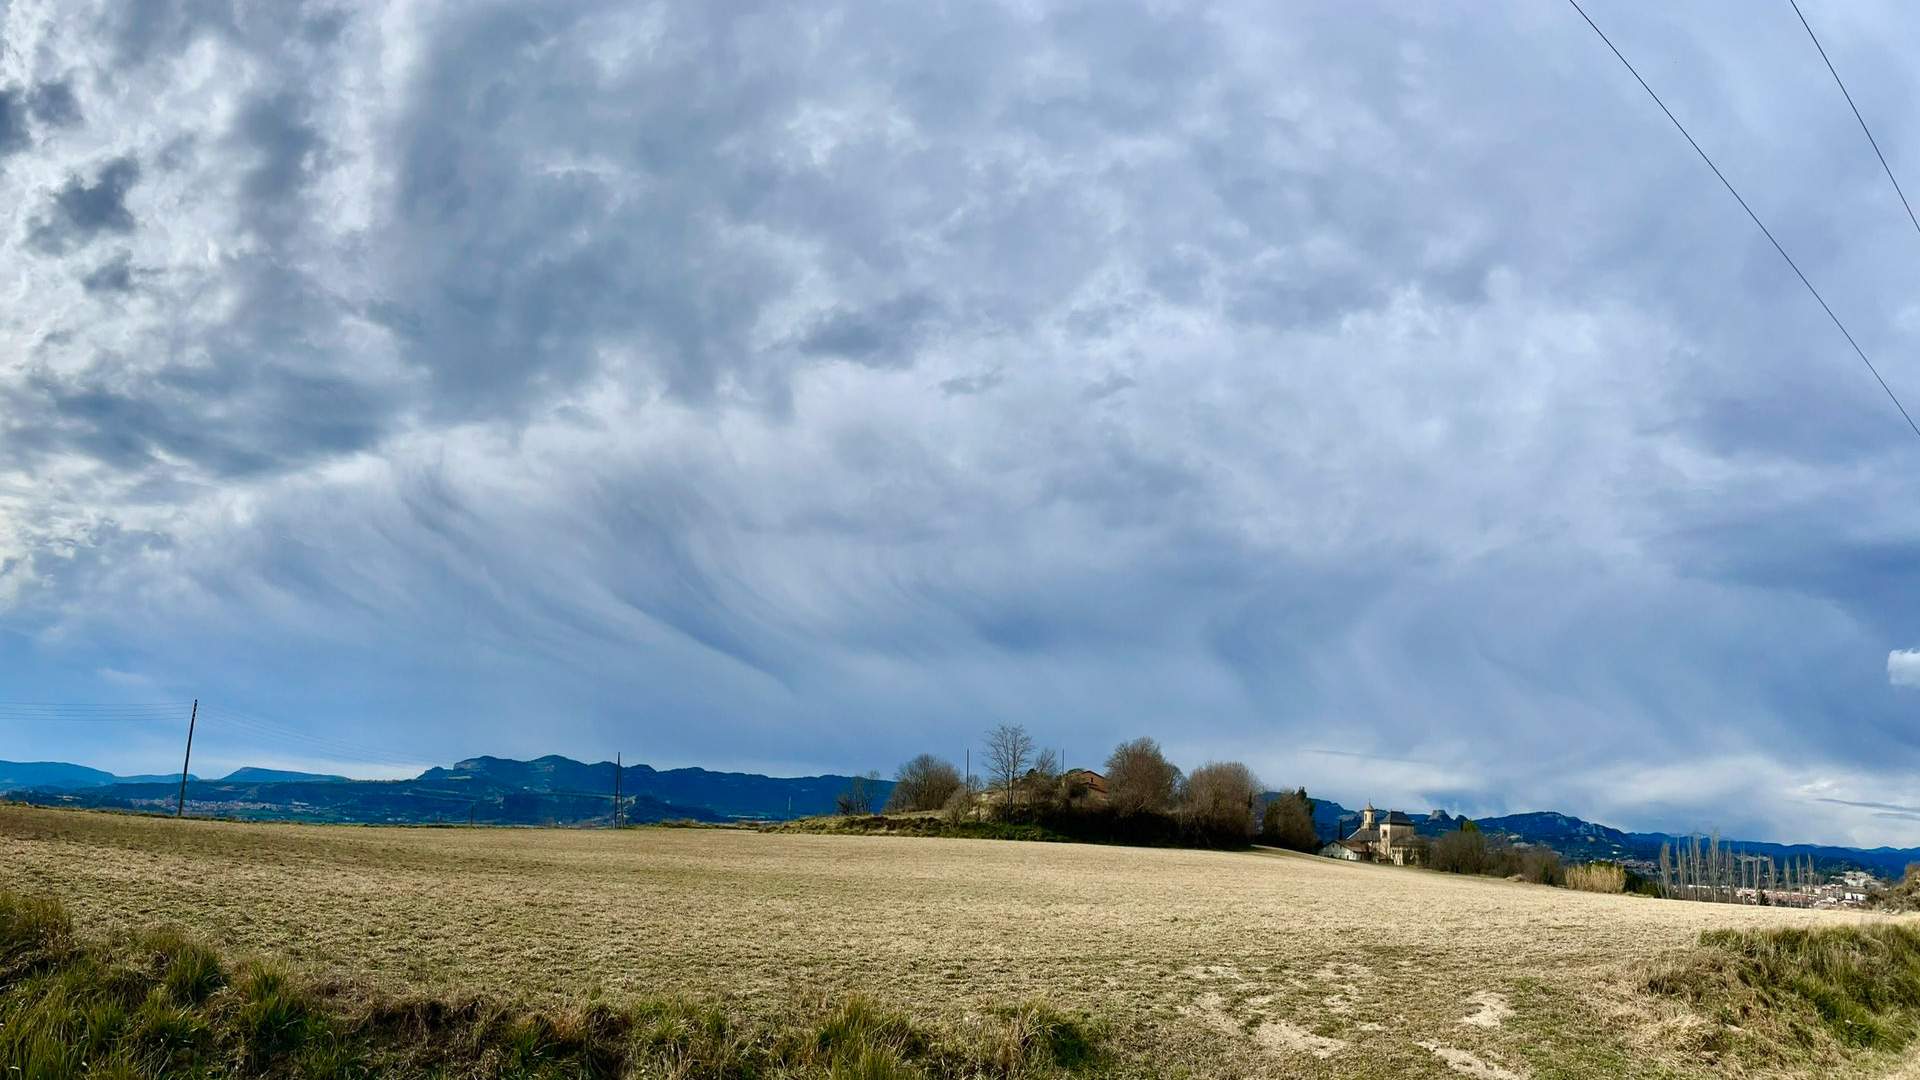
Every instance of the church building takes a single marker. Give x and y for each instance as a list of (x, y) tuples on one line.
[(1387, 838)]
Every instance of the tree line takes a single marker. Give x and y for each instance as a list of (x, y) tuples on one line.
[(1467, 850), (1716, 873), (1148, 799)]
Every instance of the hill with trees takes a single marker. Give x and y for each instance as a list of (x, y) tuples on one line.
[(1142, 787)]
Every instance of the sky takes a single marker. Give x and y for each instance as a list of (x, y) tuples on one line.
[(1384, 396)]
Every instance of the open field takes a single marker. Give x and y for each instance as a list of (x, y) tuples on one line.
[(1221, 963)]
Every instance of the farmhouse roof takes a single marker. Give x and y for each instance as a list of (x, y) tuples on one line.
[(1093, 780)]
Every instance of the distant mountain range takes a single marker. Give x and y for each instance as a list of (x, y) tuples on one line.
[(58, 775), (560, 791), (485, 790), (1578, 840)]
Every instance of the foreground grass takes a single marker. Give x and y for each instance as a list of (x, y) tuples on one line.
[(163, 1004), (1801, 997)]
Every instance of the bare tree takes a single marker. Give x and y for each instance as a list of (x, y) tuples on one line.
[(1009, 748), (923, 783), (861, 795), (1140, 779)]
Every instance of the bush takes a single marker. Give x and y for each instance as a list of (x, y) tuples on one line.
[(1102, 826), (1536, 864), (959, 805), (1597, 877)]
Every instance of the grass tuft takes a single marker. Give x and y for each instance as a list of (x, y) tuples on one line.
[(1793, 995), (1035, 1035), (1600, 877), (189, 970), (860, 1029), (34, 931), (275, 1017)]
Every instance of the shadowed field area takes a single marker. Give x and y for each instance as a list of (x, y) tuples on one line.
[(1219, 963)]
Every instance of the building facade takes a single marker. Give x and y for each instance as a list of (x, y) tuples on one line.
[(1382, 837)]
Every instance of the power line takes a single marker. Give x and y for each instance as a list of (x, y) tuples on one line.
[(65, 708), (1871, 141), (1768, 233), (335, 748), (70, 712), (154, 719)]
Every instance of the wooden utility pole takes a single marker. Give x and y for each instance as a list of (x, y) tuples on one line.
[(180, 808), (616, 789)]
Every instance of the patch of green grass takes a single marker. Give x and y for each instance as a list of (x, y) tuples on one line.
[(1564, 1039), (188, 970), (163, 1004), (34, 931), (1793, 995), (1037, 1033), (274, 1017)]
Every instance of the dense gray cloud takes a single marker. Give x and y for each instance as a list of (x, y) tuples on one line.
[(82, 209), (114, 275), (1389, 401), (54, 103), (14, 135)]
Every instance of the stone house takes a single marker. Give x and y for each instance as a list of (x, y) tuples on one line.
[(1382, 837)]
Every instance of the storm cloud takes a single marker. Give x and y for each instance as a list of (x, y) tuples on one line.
[(1388, 400)]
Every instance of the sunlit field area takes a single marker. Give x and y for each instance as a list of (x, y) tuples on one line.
[(1216, 963)]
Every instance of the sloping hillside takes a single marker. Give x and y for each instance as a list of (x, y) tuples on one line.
[(486, 790)]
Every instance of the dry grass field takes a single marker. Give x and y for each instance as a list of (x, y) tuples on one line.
[(1209, 963)]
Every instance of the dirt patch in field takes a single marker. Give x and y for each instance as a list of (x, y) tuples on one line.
[(1276, 1036), (1470, 1064), (1490, 1010)]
